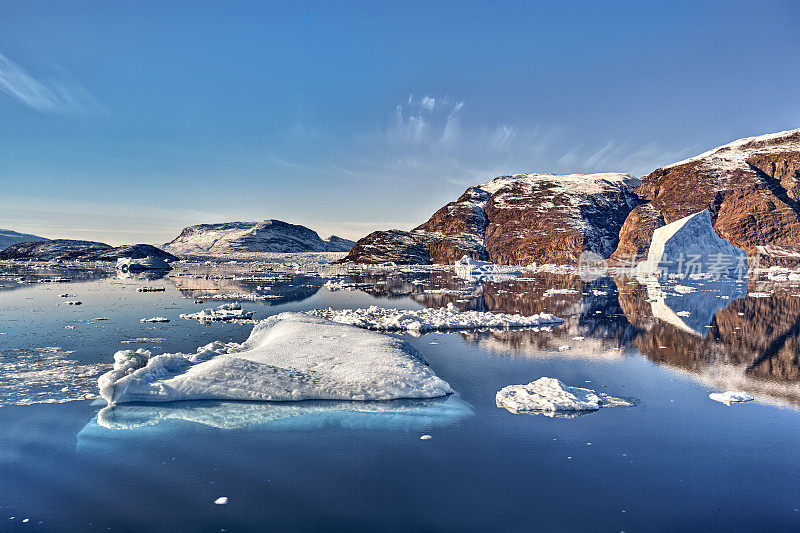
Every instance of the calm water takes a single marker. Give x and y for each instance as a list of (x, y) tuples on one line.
[(675, 461)]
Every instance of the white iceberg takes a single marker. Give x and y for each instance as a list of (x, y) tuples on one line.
[(288, 357), (731, 397), (223, 313), (155, 319), (129, 264), (475, 270), (550, 397), (424, 320), (691, 246)]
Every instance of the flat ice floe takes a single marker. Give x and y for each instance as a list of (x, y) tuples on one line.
[(223, 313), (550, 397), (424, 320), (288, 357), (731, 397)]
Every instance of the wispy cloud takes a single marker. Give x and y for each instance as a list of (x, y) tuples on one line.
[(58, 95)]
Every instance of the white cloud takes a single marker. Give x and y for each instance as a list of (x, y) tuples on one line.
[(428, 103), (54, 96)]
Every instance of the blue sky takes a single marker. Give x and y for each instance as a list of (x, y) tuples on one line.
[(125, 121)]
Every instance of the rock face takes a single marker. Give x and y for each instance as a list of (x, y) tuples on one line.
[(751, 188), (9, 237), (515, 219), (264, 236), (64, 249)]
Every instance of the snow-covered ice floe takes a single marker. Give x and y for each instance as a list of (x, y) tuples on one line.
[(288, 357), (550, 397), (690, 246), (223, 313), (424, 320), (155, 319), (731, 397), (475, 270)]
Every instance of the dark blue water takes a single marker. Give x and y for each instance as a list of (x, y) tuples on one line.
[(675, 461)]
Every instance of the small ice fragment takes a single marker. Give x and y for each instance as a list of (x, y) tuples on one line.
[(425, 437), (564, 348), (222, 500), (731, 397), (158, 319), (74, 302)]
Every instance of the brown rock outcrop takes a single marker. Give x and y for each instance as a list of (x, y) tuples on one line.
[(515, 219), (751, 188)]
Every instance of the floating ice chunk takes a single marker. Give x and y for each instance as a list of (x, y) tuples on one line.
[(684, 289), (222, 500), (424, 320), (552, 292), (223, 313), (691, 246), (155, 319), (74, 302), (731, 397), (757, 294), (475, 270), (550, 397), (425, 437), (151, 289), (342, 285), (288, 357)]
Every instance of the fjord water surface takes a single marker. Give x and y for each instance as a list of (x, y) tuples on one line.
[(676, 460)]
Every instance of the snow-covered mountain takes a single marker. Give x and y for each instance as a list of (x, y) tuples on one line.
[(9, 237), (49, 250), (515, 219), (265, 236)]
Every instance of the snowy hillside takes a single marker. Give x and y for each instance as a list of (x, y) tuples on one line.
[(9, 237), (241, 237)]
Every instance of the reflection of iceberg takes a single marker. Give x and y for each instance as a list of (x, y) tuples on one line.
[(119, 422), (393, 414), (692, 305)]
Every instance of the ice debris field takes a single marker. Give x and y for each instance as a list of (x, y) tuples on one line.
[(447, 318)]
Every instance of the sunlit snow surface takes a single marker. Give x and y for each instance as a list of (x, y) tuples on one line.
[(550, 397), (45, 375), (288, 357)]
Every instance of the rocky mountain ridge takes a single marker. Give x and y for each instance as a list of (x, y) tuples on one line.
[(751, 188), (515, 219), (264, 236), (9, 237)]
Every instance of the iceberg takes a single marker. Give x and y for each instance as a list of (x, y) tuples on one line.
[(288, 357), (475, 270), (730, 397), (550, 397), (691, 246), (223, 313), (425, 320)]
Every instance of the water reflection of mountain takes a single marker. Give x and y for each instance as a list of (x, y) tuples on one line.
[(271, 288), (756, 336), (14, 275), (713, 330)]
